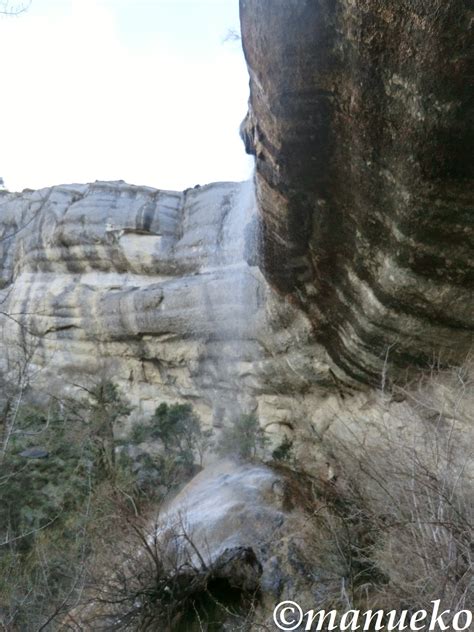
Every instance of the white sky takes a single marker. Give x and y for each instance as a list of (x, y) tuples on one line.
[(139, 90)]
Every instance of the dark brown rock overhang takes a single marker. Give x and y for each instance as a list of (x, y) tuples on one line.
[(361, 120)]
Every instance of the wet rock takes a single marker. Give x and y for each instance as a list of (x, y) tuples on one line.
[(238, 522), (35, 453)]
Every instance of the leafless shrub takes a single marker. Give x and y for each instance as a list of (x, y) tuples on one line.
[(159, 579), (13, 8), (398, 518)]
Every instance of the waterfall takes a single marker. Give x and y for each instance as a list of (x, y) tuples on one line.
[(239, 292), (236, 239)]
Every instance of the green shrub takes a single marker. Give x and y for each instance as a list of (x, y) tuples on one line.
[(48, 504), (104, 406), (179, 429), (140, 432), (245, 438), (284, 451)]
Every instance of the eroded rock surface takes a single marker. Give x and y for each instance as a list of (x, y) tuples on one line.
[(361, 120), (150, 289)]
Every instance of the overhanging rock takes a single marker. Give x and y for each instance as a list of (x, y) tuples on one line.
[(361, 120)]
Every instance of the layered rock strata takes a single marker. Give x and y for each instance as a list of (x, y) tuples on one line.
[(150, 289), (361, 121)]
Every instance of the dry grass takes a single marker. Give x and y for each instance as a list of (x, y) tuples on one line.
[(395, 526)]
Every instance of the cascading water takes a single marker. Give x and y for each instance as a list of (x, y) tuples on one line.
[(236, 349), (236, 234)]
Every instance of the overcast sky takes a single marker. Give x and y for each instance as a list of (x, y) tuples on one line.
[(140, 90)]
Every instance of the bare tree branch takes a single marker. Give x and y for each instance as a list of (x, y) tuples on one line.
[(13, 8)]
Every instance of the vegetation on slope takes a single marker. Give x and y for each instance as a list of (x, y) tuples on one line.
[(391, 527)]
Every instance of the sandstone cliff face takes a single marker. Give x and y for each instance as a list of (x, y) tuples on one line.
[(360, 263), (361, 120), (150, 289)]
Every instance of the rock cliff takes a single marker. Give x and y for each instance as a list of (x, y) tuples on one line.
[(361, 121), (150, 288), (346, 262)]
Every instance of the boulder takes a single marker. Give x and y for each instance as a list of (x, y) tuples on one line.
[(35, 453)]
